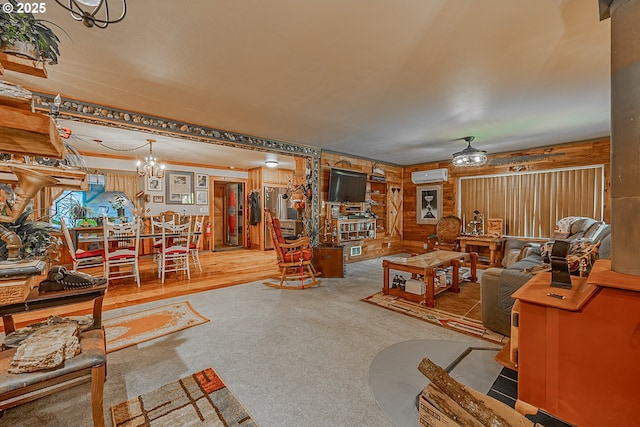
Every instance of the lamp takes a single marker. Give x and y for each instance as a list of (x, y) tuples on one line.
[(470, 156), (88, 17), (150, 167), (271, 163)]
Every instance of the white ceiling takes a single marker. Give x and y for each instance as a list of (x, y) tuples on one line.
[(391, 80)]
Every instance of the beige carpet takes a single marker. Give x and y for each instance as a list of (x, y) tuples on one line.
[(131, 329), (460, 312), (201, 399)]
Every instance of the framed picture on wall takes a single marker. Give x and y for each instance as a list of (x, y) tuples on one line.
[(153, 183), (202, 197), (179, 188), (158, 199), (202, 181), (428, 204)]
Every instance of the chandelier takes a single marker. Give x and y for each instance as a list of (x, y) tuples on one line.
[(93, 7), (470, 156), (150, 167)]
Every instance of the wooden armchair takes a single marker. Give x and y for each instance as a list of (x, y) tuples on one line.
[(448, 230), (294, 258)]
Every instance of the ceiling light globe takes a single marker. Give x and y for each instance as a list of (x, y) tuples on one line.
[(92, 3)]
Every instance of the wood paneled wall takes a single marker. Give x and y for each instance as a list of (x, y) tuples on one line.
[(584, 153)]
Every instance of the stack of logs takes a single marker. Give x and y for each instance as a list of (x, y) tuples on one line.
[(465, 406)]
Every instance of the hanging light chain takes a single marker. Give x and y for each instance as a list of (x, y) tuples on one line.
[(102, 144)]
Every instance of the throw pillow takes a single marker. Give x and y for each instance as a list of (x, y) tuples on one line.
[(581, 252), (582, 255)]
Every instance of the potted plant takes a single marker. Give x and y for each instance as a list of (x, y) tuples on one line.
[(23, 34), (118, 204), (36, 237)]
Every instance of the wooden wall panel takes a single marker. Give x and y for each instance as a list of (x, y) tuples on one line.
[(256, 232), (584, 153), (218, 212)]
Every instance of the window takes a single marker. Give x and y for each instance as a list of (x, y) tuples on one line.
[(85, 207), (531, 203)]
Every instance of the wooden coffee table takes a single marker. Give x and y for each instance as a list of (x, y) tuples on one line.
[(427, 265)]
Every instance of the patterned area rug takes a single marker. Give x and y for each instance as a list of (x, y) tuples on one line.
[(201, 399), (459, 312), (131, 329)]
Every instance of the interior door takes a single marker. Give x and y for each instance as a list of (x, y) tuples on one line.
[(234, 214), (229, 223)]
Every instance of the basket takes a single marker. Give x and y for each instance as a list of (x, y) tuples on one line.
[(15, 290)]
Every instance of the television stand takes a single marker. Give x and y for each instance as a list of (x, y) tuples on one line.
[(348, 222)]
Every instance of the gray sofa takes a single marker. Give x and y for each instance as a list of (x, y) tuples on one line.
[(497, 284)]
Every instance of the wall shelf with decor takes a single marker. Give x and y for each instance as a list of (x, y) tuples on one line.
[(348, 222), (377, 200)]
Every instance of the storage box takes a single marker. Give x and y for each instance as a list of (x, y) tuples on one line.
[(430, 416), (415, 286)]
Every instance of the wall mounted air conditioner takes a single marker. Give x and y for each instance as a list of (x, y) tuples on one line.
[(433, 175)]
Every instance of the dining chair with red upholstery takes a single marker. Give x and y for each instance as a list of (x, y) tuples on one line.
[(79, 257), (174, 252), (121, 250), (196, 239)]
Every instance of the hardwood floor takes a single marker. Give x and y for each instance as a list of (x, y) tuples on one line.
[(219, 270)]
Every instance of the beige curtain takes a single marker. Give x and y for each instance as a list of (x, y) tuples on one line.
[(129, 184), (531, 203)]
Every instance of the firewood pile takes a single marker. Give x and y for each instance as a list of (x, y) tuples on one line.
[(462, 406)]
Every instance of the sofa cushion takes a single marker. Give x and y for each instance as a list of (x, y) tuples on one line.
[(598, 231), (604, 251), (526, 263), (581, 225), (563, 227)]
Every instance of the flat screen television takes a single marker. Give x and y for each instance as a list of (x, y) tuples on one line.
[(347, 186)]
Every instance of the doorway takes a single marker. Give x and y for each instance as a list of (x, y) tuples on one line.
[(229, 216)]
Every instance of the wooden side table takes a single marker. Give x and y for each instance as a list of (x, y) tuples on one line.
[(37, 301), (493, 243), (89, 365), (329, 260)]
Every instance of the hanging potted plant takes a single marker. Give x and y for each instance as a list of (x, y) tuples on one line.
[(24, 35)]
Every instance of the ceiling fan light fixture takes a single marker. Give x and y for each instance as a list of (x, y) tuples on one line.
[(93, 13), (469, 156)]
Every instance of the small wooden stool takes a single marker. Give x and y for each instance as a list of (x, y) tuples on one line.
[(16, 389)]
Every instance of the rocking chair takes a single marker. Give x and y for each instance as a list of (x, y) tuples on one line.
[(294, 258)]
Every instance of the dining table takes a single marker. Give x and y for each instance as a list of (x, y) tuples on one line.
[(95, 234)]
